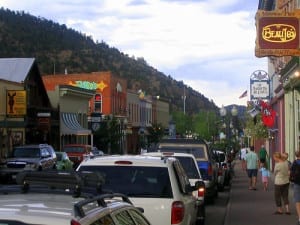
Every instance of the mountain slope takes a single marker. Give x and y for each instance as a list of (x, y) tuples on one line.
[(58, 48)]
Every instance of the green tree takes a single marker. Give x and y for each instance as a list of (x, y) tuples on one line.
[(156, 132), (255, 127), (205, 125)]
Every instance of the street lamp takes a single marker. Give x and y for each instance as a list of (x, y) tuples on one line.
[(229, 124)]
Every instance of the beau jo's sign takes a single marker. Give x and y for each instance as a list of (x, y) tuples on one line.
[(277, 33)]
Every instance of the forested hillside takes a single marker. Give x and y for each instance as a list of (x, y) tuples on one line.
[(57, 48)]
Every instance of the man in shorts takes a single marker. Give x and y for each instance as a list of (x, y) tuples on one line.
[(251, 159)]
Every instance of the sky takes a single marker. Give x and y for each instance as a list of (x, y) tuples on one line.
[(207, 44)]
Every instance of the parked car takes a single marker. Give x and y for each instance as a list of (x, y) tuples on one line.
[(44, 199), (224, 165), (29, 158), (77, 152), (221, 170), (189, 164), (63, 161), (159, 185), (206, 163)]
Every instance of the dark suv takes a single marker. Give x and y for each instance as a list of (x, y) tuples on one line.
[(206, 163), (29, 158)]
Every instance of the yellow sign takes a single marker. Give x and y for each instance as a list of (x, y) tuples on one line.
[(15, 103), (279, 33)]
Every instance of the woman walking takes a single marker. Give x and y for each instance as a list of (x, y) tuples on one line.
[(281, 181)]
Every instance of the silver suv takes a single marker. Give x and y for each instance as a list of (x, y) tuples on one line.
[(29, 158), (64, 198), (159, 185)]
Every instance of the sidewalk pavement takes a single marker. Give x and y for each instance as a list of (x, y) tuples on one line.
[(249, 207)]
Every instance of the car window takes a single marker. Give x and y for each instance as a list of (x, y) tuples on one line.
[(59, 157), (140, 220), (189, 166), (135, 181), (181, 176), (26, 153), (74, 149), (222, 157), (45, 152), (198, 152)]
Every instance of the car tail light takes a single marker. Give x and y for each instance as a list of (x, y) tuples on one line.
[(210, 170), (201, 191), (74, 222), (177, 213), (123, 162)]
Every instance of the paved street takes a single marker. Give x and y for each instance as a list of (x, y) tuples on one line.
[(247, 207)]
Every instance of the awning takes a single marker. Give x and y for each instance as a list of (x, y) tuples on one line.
[(70, 125)]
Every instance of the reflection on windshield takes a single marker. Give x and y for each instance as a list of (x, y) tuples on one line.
[(26, 153), (135, 181)]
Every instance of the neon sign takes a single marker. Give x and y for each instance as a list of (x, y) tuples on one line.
[(88, 85)]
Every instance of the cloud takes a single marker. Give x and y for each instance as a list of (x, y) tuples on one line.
[(209, 44)]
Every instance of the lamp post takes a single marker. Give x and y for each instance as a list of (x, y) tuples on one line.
[(229, 124)]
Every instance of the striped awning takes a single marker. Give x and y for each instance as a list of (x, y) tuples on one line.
[(69, 125)]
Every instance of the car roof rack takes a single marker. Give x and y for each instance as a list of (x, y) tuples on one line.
[(74, 182), (100, 200)]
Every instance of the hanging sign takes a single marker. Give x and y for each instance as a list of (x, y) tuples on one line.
[(277, 33)]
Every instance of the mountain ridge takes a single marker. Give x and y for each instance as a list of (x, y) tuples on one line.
[(57, 48)]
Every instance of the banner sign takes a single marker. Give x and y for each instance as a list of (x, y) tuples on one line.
[(277, 33)]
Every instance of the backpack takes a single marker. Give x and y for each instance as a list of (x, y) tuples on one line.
[(295, 173)]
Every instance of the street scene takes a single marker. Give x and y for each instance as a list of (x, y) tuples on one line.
[(141, 112)]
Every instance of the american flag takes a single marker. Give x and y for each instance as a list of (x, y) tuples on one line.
[(244, 94)]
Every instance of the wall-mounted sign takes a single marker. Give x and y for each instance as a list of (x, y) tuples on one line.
[(259, 85), (277, 33), (15, 103)]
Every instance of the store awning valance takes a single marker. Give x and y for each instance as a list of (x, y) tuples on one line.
[(69, 125)]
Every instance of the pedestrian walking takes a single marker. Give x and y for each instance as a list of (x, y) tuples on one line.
[(251, 160), (265, 174), (263, 154), (242, 155), (281, 183), (295, 178)]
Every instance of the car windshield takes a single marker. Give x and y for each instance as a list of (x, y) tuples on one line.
[(189, 166), (220, 157), (198, 152), (135, 181), (26, 153), (74, 149), (59, 156)]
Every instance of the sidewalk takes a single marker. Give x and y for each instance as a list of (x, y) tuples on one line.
[(248, 207)]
